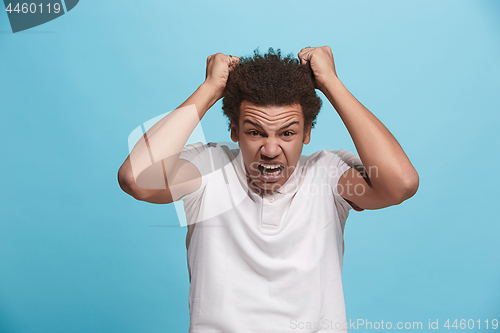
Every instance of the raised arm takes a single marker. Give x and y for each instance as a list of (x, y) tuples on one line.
[(390, 177), (153, 171)]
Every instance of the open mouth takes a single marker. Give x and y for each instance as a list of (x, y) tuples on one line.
[(271, 170)]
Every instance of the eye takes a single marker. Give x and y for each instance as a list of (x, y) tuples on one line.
[(287, 133), (253, 133)]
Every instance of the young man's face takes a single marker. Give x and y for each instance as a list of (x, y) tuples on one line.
[(271, 140)]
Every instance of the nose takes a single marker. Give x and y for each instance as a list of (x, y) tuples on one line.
[(270, 149)]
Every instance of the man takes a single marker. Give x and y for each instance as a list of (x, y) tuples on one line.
[(265, 237)]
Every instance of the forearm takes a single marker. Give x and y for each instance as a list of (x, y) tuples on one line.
[(389, 169), (166, 139)]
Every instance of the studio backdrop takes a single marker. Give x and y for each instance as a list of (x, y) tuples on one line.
[(77, 254)]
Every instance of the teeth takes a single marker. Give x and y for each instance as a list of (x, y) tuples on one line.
[(272, 169), (271, 166)]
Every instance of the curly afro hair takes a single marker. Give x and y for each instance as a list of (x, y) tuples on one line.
[(271, 80)]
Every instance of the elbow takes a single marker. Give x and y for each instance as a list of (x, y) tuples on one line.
[(124, 181), (127, 183), (407, 187), (410, 185)]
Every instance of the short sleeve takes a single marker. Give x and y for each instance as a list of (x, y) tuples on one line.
[(200, 156), (213, 162), (337, 163)]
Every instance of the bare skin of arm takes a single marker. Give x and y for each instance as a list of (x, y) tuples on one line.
[(391, 176), (153, 171)]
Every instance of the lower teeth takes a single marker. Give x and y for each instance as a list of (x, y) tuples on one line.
[(272, 173)]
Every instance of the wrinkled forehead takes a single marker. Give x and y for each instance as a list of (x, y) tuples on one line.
[(270, 116)]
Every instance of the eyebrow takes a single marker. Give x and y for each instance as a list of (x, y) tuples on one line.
[(258, 125)]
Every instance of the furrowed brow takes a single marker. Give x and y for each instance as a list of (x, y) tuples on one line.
[(292, 123), (252, 123)]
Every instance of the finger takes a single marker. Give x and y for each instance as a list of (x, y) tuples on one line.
[(304, 57), (234, 62), (307, 50), (220, 55), (301, 56)]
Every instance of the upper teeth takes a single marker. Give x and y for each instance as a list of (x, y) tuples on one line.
[(271, 166)]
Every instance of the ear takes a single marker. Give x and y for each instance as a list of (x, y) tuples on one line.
[(307, 134), (234, 133)]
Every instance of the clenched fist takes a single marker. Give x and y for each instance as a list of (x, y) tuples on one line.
[(218, 67), (322, 64)]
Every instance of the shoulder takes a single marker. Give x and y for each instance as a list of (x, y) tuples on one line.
[(327, 158), (211, 149), (209, 157), (332, 164)]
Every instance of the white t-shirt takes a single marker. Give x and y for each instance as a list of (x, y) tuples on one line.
[(266, 264)]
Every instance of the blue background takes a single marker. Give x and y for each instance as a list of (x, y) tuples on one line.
[(79, 255)]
